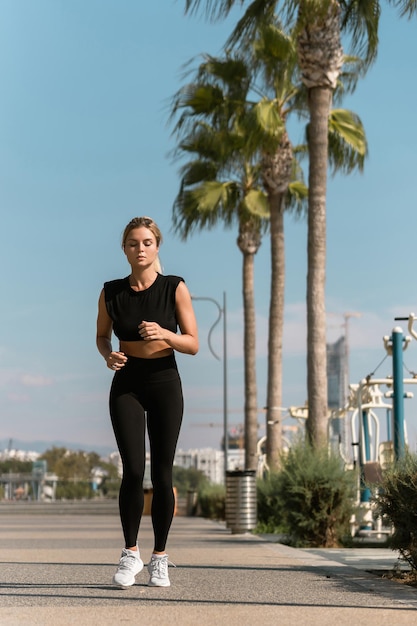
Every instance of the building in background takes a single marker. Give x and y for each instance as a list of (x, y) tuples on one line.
[(337, 383), (207, 460), (337, 388), (210, 462)]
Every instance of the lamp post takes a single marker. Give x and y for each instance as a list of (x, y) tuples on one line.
[(222, 313)]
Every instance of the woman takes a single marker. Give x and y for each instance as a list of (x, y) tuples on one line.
[(144, 311)]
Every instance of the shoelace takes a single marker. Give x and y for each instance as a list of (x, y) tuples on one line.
[(127, 561), (160, 567)]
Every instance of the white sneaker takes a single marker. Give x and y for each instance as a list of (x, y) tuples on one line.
[(158, 570), (130, 564)]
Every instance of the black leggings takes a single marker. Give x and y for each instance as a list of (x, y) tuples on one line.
[(150, 386)]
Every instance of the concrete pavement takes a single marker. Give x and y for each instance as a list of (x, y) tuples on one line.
[(56, 570)]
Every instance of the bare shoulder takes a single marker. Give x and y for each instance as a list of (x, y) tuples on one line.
[(182, 292)]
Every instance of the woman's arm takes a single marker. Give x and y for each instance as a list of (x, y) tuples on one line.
[(187, 341), (114, 360)]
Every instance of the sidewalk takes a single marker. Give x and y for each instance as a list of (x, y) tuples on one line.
[(56, 570)]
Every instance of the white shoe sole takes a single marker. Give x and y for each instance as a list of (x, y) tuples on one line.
[(124, 586), (128, 584), (150, 584)]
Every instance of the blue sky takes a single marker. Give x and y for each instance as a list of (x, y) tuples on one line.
[(84, 146)]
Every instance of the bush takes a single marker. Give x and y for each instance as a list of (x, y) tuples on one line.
[(311, 499), (212, 501), (397, 503), (110, 488), (271, 504), (66, 490), (188, 479), (15, 466)]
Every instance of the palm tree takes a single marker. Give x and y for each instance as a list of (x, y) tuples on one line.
[(221, 183), (273, 57), (320, 31), (275, 50), (319, 24), (264, 138)]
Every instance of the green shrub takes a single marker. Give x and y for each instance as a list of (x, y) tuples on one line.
[(212, 501), (110, 488), (188, 479), (310, 500), (66, 490), (396, 501), (271, 504), (15, 466)]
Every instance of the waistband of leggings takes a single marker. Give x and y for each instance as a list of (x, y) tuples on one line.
[(164, 362)]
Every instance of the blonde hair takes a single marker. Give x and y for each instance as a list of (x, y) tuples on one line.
[(146, 222)]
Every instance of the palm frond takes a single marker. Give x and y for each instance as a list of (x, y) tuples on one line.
[(408, 8), (226, 133), (352, 71), (215, 196), (268, 117), (200, 98), (230, 70), (360, 21), (273, 44), (205, 205), (296, 198), (195, 172), (203, 140), (349, 126), (258, 12), (275, 58), (214, 10), (348, 147), (300, 150), (256, 203)]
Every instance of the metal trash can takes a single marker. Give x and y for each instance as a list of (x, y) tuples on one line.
[(147, 501), (192, 502), (241, 503)]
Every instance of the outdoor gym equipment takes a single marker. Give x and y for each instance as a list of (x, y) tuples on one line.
[(366, 399)]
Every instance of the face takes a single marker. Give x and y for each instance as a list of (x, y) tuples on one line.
[(141, 248)]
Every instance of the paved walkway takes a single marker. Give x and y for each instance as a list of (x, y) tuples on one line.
[(56, 570)]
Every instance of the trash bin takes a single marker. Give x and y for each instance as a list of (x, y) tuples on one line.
[(241, 504), (148, 497), (147, 503), (192, 497)]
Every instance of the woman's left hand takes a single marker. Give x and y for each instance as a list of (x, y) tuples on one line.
[(150, 331)]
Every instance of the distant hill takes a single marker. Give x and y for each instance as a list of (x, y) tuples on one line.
[(41, 446)]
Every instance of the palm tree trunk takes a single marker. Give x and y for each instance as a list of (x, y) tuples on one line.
[(275, 335), (319, 103), (276, 174), (249, 350)]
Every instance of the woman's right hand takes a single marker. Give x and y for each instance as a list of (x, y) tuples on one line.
[(116, 360)]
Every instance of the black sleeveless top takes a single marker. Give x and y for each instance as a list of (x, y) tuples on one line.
[(128, 308)]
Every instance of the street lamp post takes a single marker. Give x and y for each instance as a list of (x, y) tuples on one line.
[(222, 313)]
